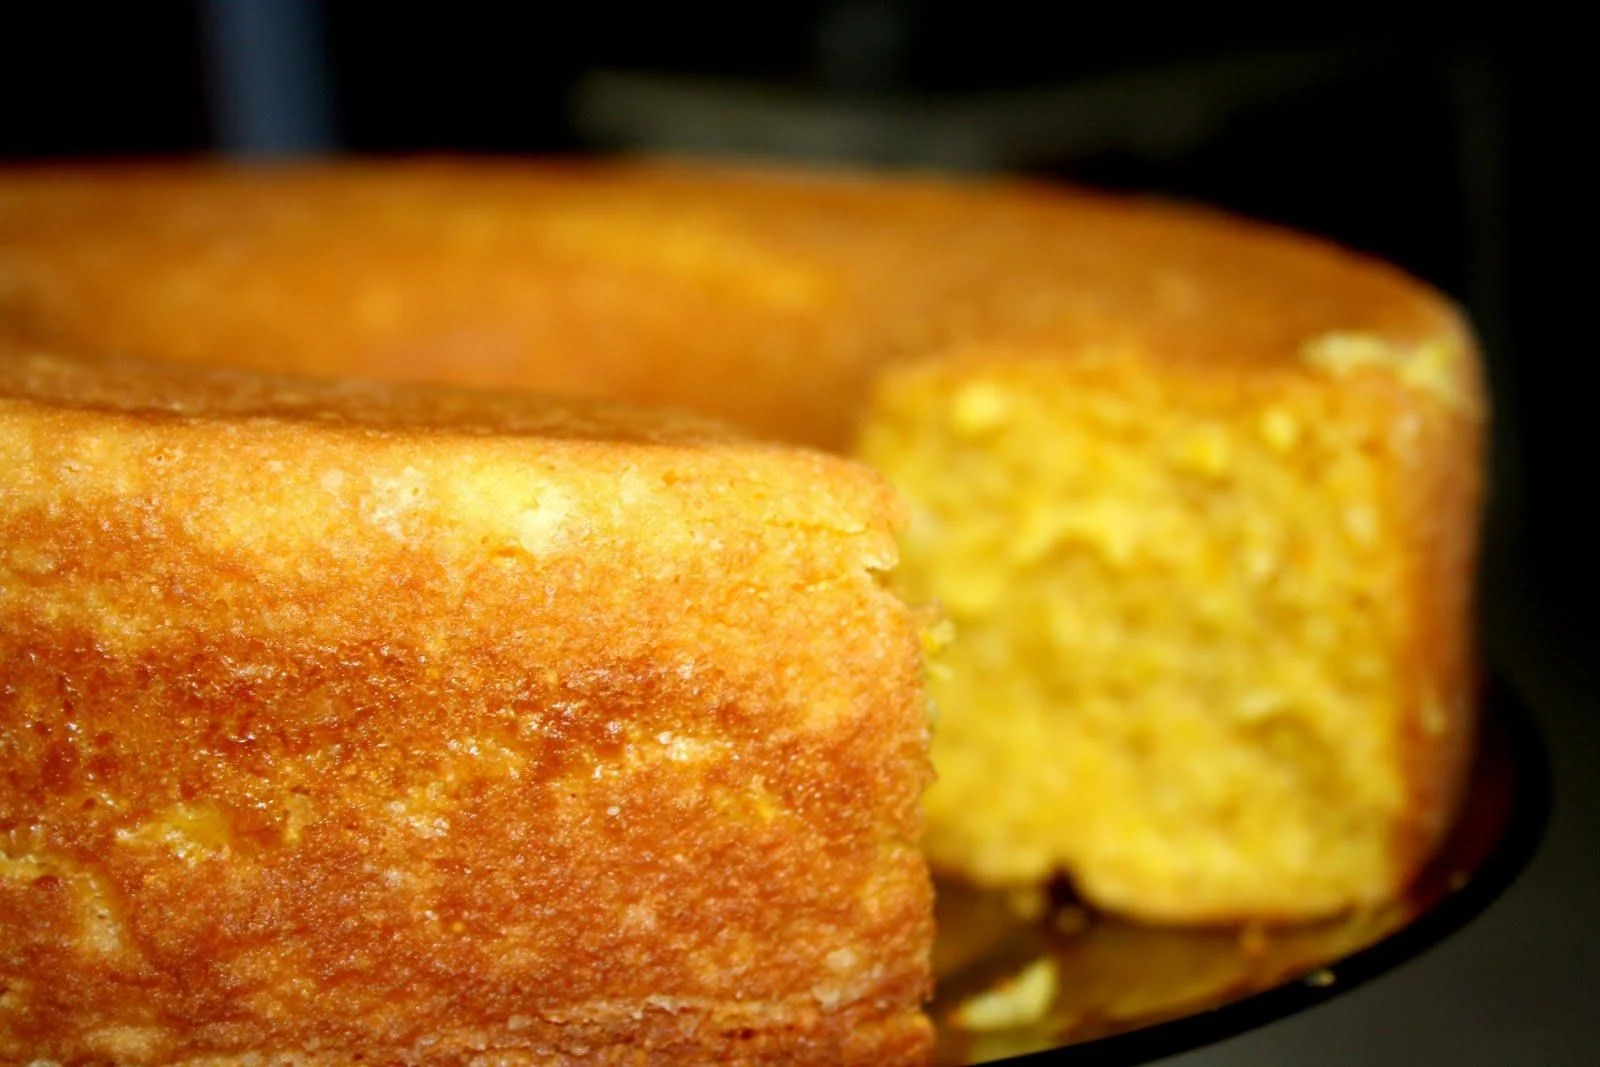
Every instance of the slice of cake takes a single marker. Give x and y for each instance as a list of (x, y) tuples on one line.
[(342, 723)]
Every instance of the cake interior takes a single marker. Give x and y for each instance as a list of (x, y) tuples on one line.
[(1165, 592)]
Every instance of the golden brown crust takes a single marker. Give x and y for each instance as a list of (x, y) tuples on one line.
[(364, 734), (766, 299), (1443, 457)]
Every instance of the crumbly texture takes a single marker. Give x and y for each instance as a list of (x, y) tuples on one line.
[(1214, 629), (1201, 497), (350, 722)]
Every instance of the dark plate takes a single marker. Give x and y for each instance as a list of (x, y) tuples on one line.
[(1125, 994)]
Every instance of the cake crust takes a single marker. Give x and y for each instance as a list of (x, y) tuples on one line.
[(785, 292), (351, 721)]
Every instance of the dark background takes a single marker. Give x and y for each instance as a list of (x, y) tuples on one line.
[(1450, 151)]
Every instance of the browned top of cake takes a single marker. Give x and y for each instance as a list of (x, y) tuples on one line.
[(767, 299), (193, 395)]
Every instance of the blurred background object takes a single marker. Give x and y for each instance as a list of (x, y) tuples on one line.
[(1444, 151), (267, 77)]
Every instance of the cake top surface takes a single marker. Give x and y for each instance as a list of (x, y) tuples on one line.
[(767, 298), (296, 443), (158, 392)]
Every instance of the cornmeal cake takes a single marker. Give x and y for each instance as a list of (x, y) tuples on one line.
[(345, 722), (1199, 497)]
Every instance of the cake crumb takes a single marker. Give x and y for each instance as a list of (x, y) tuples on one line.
[(1018, 1001)]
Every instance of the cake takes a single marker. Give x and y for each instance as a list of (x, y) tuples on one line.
[(1199, 497), (347, 722)]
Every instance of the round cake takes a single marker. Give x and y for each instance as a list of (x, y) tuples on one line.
[(1198, 498)]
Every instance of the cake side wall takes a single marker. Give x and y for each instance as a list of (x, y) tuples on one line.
[(312, 740)]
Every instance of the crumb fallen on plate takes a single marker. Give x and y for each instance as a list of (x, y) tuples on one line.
[(1028, 902), (1072, 921), (1018, 1001)]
